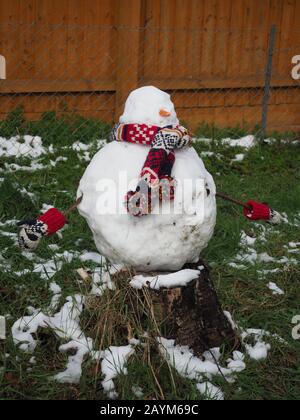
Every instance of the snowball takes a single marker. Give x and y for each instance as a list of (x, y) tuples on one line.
[(143, 106), (157, 241)]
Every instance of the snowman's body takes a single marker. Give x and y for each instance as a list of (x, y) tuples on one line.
[(175, 233)]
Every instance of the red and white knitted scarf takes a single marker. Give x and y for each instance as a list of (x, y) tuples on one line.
[(161, 157)]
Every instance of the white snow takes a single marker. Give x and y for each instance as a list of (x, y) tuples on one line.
[(143, 106), (239, 157), (47, 269), (46, 207), (294, 244), (248, 253), (113, 363), (101, 280), (78, 146), (22, 146), (188, 365), (73, 372), (210, 391), (65, 324), (35, 165), (258, 351), (178, 279), (246, 142), (91, 256), (137, 391), (275, 289), (56, 291)]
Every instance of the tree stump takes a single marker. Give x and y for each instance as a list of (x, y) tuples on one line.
[(192, 315)]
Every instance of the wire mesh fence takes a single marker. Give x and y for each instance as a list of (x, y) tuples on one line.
[(67, 83)]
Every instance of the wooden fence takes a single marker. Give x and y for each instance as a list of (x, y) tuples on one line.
[(86, 55)]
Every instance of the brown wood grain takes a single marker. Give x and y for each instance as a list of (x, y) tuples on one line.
[(197, 49)]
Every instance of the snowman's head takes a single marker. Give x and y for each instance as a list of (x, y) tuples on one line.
[(149, 105)]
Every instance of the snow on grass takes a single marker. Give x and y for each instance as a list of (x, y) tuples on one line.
[(22, 146), (202, 370), (35, 165), (249, 255), (47, 269), (258, 351), (66, 325), (113, 363), (101, 279), (137, 391), (78, 146), (56, 291), (210, 391), (73, 372), (275, 289), (239, 157), (92, 256), (246, 142), (188, 365)]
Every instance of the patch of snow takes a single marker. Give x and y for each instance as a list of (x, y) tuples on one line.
[(114, 363), (210, 391), (137, 391), (53, 163), (275, 289), (258, 351), (239, 157), (101, 280), (188, 365), (55, 289), (207, 154), (294, 244), (22, 146), (246, 142), (231, 320), (86, 157), (47, 269), (78, 146), (92, 256), (178, 279), (46, 207), (73, 372)]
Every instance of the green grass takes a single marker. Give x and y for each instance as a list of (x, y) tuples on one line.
[(268, 173)]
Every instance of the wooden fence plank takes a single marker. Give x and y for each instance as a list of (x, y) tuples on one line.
[(127, 62)]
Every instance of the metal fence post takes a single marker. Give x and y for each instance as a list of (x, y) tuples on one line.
[(268, 77)]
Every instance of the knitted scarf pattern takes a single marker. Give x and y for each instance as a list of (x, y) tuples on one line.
[(156, 181)]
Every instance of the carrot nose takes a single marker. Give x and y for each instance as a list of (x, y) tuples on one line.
[(164, 113)]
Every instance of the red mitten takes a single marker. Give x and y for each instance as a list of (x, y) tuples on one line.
[(54, 219), (257, 211)]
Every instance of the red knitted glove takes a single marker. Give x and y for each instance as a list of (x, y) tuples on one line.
[(258, 211), (54, 220)]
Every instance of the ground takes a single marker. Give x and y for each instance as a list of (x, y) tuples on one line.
[(242, 268)]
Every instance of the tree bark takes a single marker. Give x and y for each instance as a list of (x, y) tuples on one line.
[(192, 315)]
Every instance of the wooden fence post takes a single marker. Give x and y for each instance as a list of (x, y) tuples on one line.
[(129, 16), (268, 77)]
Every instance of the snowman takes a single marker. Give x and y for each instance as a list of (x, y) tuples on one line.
[(146, 196)]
